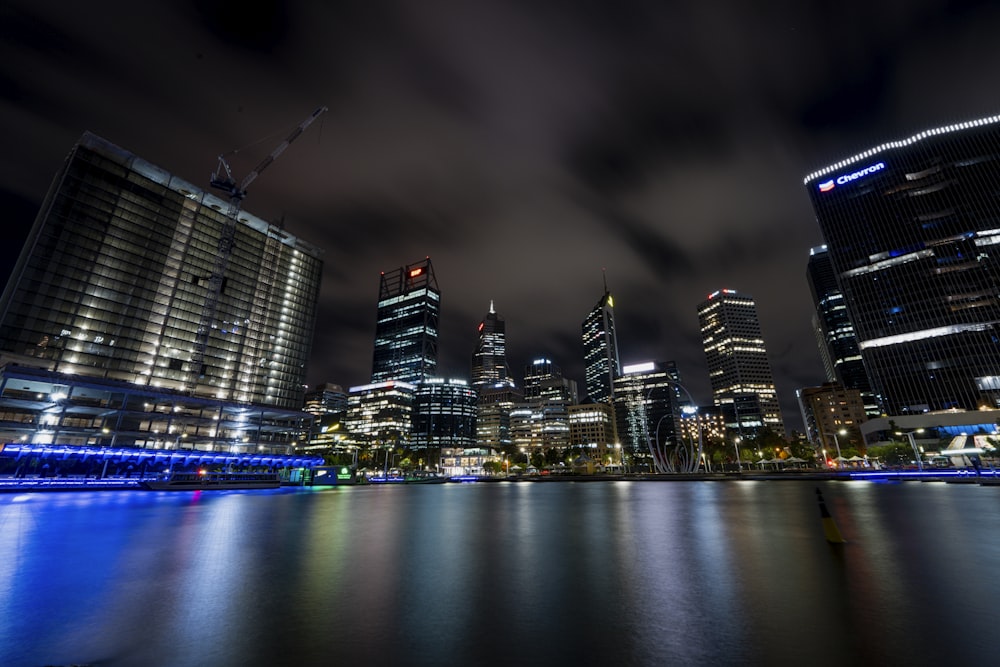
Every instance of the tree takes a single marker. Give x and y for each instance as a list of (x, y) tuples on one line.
[(892, 454)]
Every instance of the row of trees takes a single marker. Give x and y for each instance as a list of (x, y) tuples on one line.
[(720, 452)]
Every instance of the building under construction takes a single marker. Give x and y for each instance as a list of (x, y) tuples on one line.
[(136, 278)]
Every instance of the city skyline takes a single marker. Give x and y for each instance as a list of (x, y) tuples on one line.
[(665, 144)]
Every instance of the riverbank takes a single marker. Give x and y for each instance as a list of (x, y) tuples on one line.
[(951, 476)]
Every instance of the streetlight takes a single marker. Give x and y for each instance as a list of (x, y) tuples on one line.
[(913, 444), (736, 446), (836, 442)]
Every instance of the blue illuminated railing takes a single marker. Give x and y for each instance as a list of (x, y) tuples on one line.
[(28, 483), (170, 457)]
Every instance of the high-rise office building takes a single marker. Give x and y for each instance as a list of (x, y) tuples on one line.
[(326, 399), (647, 409), (493, 414), (600, 350), (912, 228), (489, 361), (834, 331), (740, 374), (115, 282), (380, 414), (544, 380), (832, 415), (444, 415), (592, 427), (406, 333)]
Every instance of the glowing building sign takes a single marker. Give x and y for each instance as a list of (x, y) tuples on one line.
[(844, 179), (416, 272)]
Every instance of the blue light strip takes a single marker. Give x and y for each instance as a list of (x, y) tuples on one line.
[(185, 457), (931, 474)]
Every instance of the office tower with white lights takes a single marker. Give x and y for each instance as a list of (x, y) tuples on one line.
[(912, 228), (444, 415), (738, 368), (600, 350), (489, 361), (116, 282), (406, 332), (380, 414)]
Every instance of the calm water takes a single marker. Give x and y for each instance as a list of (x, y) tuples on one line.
[(617, 573)]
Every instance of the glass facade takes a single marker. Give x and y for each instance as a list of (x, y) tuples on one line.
[(912, 228), (600, 350), (647, 408), (113, 283), (742, 382), (838, 342), (444, 414), (44, 407), (406, 332)]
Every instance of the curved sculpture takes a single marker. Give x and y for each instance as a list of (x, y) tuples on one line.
[(674, 458)]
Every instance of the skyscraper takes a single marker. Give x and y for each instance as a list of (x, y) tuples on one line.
[(114, 280), (406, 332), (544, 380), (600, 350), (742, 382), (489, 361), (835, 333), (647, 410), (912, 231)]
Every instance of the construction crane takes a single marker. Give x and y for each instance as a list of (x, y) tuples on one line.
[(222, 179)]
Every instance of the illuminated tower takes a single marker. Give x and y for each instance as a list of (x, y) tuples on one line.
[(600, 350), (489, 361), (742, 383), (115, 274), (406, 333), (912, 228)]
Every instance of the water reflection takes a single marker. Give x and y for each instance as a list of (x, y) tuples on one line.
[(618, 573)]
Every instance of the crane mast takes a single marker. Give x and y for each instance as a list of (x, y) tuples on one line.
[(222, 179)]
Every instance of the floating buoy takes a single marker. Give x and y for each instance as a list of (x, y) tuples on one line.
[(830, 529)]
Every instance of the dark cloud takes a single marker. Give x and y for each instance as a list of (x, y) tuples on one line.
[(261, 25), (523, 146)]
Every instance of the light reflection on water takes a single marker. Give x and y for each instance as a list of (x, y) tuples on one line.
[(618, 573)]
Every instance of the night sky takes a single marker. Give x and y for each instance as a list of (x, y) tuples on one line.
[(525, 146)]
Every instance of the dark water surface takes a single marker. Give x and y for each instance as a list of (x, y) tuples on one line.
[(608, 573)]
